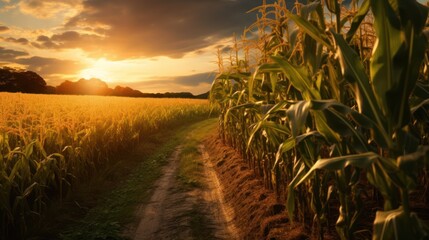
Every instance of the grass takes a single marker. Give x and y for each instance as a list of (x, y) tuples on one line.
[(191, 175), (116, 208), (190, 166), (190, 169)]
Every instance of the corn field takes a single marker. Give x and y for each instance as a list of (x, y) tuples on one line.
[(328, 102), (49, 143)]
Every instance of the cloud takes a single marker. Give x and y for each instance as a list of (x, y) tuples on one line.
[(7, 6), (52, 69), (3, 28), (196, 84), (148, 28), (10, 55), (48, 8), (22, 41), (129, 29), (188, 80), (194, 80), (224, 49), (68, 39), (50, 66)]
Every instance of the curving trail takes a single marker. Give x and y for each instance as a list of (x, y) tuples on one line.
[(219, 198), (175, 212)]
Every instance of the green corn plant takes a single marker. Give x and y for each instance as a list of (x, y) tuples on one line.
[(392, 75), (331, 112)]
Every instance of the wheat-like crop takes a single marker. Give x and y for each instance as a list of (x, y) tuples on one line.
[(48, 143)]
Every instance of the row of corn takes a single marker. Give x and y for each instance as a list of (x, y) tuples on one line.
[(328, 102)]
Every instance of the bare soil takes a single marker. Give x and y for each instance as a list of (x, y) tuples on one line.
[(260, 214)]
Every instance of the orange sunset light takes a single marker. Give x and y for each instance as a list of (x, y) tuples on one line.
[(152, 46), (100, 70), (214, 119)]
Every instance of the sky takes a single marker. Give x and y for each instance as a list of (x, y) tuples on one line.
[(149, 45)]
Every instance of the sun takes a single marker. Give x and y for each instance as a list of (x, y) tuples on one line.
[(99, 70), (89, 73)]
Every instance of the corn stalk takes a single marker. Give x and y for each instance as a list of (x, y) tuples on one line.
[(338, 98)]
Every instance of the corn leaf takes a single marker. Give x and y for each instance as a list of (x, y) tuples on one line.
[(333, 6), (362, 160), (264, 68), (357, 19), (354, 72), (297, 115), (290, 200), (397, 224), (299, 77), (386, 67), (310, 29), (397, 56)]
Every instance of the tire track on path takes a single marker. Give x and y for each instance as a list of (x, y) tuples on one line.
[(173, 209)]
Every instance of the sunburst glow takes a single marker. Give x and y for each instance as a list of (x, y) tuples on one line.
[(98, 70), (123, 43)]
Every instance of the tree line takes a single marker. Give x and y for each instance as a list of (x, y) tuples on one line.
[(12, 80)]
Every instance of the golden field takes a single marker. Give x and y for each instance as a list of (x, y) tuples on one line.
[(48, 141)]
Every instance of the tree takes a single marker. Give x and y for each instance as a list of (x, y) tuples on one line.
[(12, 80)]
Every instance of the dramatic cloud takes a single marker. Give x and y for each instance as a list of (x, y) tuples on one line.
[(3, 28), (10, 55), (52, 69), (49, 66), (68, 39), (48, 8), (152, 28)]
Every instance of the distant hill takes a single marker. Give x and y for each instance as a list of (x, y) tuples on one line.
[(84, 87), (12, 80), (203, 95)]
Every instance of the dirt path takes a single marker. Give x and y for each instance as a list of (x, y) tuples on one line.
[(201, 182), (176, 211), (207, 191)]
